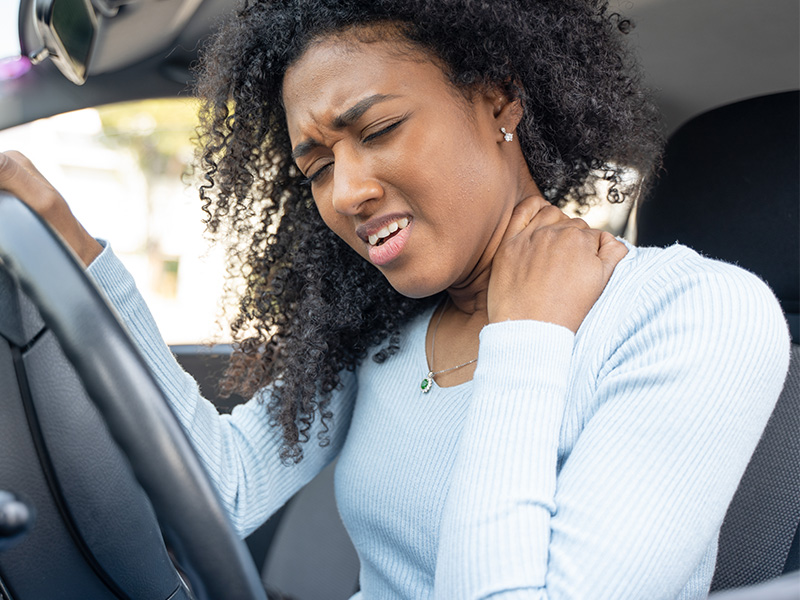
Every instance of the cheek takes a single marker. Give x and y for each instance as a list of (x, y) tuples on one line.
[(329, 216), (468, 186), (324, 210), (341, 225), (457, 160)]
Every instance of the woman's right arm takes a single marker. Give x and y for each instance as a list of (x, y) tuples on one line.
[(239, 451)]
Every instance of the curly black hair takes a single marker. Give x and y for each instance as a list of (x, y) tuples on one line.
[(309, 306)]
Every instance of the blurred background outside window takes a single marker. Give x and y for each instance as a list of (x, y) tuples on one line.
[(125, 170)]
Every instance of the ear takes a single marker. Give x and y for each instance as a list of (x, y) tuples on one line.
[(506, 105)]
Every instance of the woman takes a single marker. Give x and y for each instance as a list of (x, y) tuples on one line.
[(522, 407)]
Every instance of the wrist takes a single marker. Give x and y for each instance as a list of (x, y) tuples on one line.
[(75, 235), (82, 243), (90, 251), (553, 317)]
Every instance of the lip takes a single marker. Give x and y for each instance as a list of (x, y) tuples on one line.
[(391, 248), (373, 226)]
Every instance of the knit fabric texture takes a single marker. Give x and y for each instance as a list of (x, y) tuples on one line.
[(595, 465)]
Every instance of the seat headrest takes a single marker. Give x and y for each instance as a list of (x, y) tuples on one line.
[(730, 188)]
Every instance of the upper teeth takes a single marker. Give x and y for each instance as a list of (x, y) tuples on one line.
[(388, 230)]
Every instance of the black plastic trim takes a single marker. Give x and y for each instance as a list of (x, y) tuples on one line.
[(32, 342), (4, 593)]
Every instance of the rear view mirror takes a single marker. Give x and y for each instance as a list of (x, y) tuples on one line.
[(68, 29)]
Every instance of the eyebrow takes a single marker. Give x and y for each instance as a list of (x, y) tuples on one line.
[(345, 119), (353, 113)]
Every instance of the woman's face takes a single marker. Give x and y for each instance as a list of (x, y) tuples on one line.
[(403, 168)]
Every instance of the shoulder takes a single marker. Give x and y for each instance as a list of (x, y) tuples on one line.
[(676, 301), (677, 267), (656, 278)]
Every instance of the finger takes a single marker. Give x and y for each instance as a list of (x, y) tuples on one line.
[(523, 213), (26, 164), (19, 177), (578, 222), (12, 175), (573, 222), (548, 215), (610, 251)]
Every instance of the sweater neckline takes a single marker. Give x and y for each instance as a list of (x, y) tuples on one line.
[(421, 355)]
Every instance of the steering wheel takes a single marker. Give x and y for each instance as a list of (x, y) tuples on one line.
[(192, 520)]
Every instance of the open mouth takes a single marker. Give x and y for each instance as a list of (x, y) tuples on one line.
[(389, 231), (382, 241)]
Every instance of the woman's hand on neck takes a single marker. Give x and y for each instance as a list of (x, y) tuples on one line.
[(540, 265), (470, 296), (549, 267)]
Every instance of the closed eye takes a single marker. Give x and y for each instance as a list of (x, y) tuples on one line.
[(313, 177), (383, 131), (373, 136)]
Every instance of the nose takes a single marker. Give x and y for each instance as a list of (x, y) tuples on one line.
[(354, 186)]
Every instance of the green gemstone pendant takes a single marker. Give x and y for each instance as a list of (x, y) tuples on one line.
[(427, 383)]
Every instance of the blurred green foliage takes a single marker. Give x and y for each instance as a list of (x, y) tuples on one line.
[(159, 132)]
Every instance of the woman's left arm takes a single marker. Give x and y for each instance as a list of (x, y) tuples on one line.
[(678, 409)]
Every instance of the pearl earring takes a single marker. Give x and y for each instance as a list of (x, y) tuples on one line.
[(507, 136)]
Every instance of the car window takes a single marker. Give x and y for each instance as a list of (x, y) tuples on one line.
[(9, 36), (12, 64), (124, 169)]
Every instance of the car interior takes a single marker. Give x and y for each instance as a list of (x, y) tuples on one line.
[(101, 495)]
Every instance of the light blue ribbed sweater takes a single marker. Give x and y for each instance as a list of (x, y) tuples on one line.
[(596, 466)]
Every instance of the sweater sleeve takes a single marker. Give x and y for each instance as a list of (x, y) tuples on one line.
[(240, 450), (679, 406)]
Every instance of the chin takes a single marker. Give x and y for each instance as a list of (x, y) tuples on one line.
[(415, 287)]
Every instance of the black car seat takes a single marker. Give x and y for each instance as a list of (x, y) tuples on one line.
[(730, 188)]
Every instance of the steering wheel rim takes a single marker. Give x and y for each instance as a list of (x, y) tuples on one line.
[(117, 380)]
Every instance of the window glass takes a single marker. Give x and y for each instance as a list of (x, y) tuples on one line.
[(9, 29), (619, 217), (12, 65), (124, 169)]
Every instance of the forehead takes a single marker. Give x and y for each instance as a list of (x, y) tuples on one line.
[(335, 73)]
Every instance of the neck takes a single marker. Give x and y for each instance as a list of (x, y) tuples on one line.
[(470, 294)]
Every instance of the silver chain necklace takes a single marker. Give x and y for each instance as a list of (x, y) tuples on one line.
[(427, 382)]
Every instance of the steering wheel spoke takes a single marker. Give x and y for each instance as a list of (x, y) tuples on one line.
[(115, 376)]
